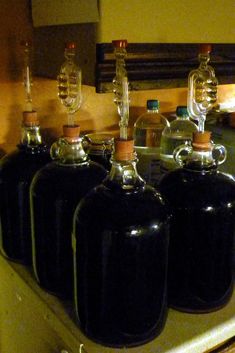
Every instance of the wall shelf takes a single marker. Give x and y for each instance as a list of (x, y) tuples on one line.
[(151, 66)]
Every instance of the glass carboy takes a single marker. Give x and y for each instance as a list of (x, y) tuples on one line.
[(202, 201), (16, 172), (55, 191), (120, 242)]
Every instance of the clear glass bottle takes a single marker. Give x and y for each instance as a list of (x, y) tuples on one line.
[(179, 132), (202, 87), (148, 130), (16, 172), (54, 193), (120, 242), (70, 82), (99, 148), (202, 202)]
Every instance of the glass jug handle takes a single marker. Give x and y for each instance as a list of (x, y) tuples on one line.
[(220, 153), (181, 153), (56, 147)]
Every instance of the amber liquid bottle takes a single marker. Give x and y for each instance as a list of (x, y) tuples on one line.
[(202, 202), (120, 242), (16, 172), (55, 191)]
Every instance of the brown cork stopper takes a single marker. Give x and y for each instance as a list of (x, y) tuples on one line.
[(120, 43), (202, 141), (123, 149), (204, 48), (30, 118), (71, 131)]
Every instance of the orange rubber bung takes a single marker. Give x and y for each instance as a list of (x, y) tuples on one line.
[(123, 149), (30, 118), (202, 141), (70, 45), (205, 48), (71, 131), (120, 43)]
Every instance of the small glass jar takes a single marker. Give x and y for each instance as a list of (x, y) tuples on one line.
[(99, 148)]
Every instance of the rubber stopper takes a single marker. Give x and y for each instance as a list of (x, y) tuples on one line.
[(202, 140), (71, 131), (120, 43), (70, 45), (30, 118), (123, 149), (204, 48)]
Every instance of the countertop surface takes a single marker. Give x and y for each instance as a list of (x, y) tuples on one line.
[(183, 333)]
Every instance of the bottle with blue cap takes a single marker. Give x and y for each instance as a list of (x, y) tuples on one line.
[(147, 138), (179, 132)]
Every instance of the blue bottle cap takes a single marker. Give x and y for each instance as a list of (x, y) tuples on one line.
[(152, 104), (182, 111)]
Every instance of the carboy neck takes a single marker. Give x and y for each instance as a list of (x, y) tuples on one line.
[(123, 170), (30, 135), (68, 150)]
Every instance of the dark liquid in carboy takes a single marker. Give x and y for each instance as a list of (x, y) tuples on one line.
[(120, 264), (55, 193), (16, 173), (201, 237)]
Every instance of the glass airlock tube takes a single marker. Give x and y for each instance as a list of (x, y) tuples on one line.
[(27, 75), (121, 86), (69, 83), (202, 88)]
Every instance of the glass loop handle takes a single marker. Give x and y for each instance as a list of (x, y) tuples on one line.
[(220, 154), (181, 153), (55, 150)]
